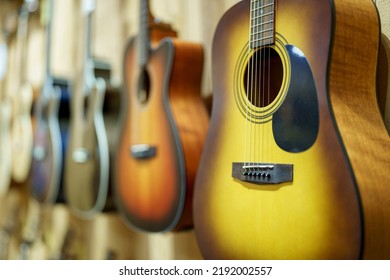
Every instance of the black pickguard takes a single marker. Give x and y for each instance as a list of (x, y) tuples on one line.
[(296, 123)]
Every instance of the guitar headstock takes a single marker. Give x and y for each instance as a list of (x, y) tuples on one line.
[(158, 28), (31, 5)]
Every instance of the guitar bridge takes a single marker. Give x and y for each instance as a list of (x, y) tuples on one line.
[(81, 155), (143, 151), (262, 173)]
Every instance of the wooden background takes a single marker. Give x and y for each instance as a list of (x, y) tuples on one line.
[(115, 22)]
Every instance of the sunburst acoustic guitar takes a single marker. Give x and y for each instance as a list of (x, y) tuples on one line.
[(87, 156), (163, 131), (296, 160), (47, 146), (21, 129)]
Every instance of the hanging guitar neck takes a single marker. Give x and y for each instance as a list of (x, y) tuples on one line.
[(159, 29)]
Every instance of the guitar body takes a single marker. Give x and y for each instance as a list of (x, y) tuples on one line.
[(5, 147), (324, 210), (162, 139), (87, 157), (47, 149), (22, 134)]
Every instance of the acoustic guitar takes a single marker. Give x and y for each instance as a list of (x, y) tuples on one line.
[(87, 156), (47, 146), (163, 130), (21, 130), (296, 160)]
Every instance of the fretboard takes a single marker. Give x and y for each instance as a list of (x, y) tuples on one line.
[(262, 23), (144, 39), (21, 45), (46, 18), (88, 10)]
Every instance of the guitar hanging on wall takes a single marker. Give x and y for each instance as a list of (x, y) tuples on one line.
[(21, 130), (87, 157), (296, 160), (47, 150), (164, 128)]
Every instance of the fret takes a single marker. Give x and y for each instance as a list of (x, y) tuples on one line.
[(260, 24), (257, 30), (263, 38), (262, 10)]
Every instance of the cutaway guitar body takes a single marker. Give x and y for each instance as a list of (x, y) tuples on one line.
[(162, 139), (163, 132), (47, 150), (280, 176), (87, 155), (47, 155)]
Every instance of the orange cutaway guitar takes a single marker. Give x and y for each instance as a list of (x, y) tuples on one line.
[(164, 129)]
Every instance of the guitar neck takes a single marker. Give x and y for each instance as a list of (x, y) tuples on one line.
[(47, 14), (144, 34), (3, 68), (88, 73), (21, 46)]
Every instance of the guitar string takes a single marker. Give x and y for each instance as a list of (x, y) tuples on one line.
[(255, 84), (254, 87), (261, 81), (247, 89), (268, 92), (258, 89)]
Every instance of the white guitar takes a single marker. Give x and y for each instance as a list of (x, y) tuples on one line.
[(21, 130)]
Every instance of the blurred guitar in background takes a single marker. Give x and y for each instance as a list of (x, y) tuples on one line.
[(47, 146), (87, 157), (21, 130), (164, 127)]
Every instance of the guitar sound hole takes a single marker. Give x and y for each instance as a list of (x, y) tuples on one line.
[(263, 77), (143, 87)]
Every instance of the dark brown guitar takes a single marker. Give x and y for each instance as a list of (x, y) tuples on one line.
[(164, 129)]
